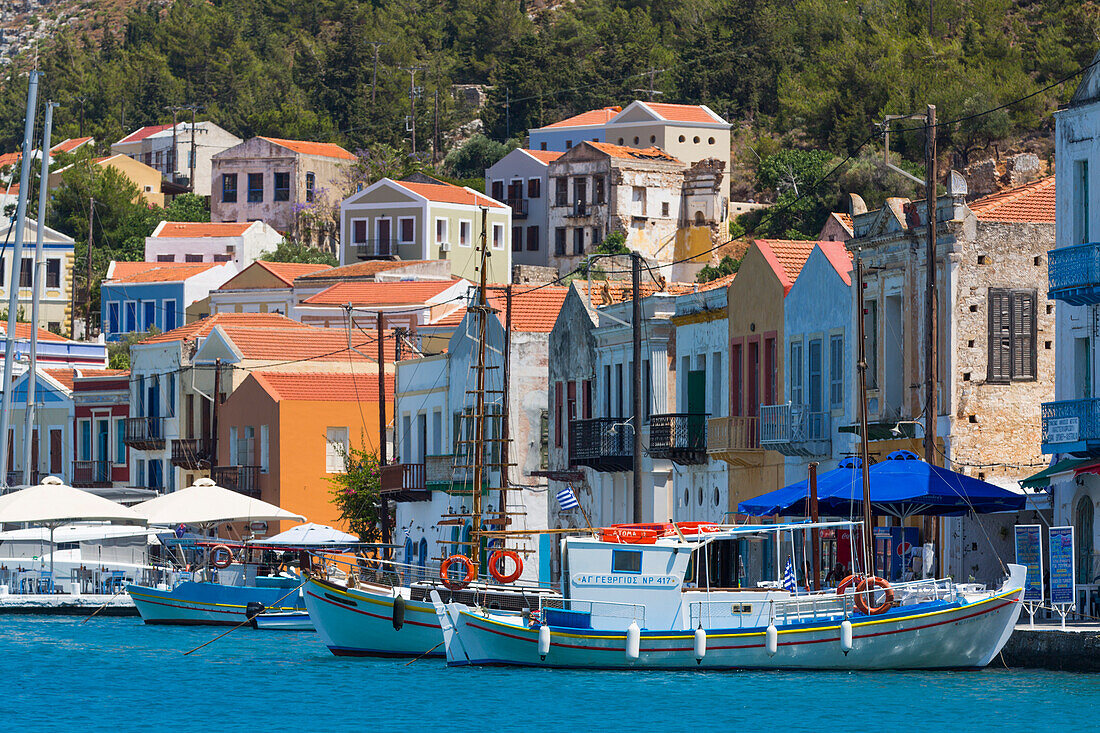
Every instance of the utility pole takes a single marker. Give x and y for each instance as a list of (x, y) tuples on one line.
[(506, 399), (507, 114), (385, 508), (39, 279), (412, 102), (435, 135), (861, 369), (374, 76), (930, 407), (651, 91), (88, 271), (815, 533), (82, 100), (17, 260), (175, 146), (636, 378), (192, 156)]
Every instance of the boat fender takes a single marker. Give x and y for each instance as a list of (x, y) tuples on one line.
[(633, 640), (700, 645), (398, 613), (221, 557), (252, 610), (846, 636), (771, 640), (544, 641)]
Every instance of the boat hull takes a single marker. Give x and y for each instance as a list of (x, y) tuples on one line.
[(943, 636), (207, 604), (283, 621)]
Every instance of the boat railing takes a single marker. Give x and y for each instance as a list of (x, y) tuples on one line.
[(578, 609)]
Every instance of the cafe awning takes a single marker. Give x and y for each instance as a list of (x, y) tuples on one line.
[(1042, 478)]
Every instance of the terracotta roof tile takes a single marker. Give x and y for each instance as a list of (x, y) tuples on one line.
[(288, 272), (143, 132), (204, 326), (157, 272), (721, 282), (298, 387), (609, 292), (845, 219), (203, 229), (446, 193), (684, 113), (361, 269), (624, 152), (591, 117), (544, 156), (102, 373), (64, 376), (840, 258), (23, 331), (67, 146), (307, 343), (1032, 202), (304, 147), (534, 308), (10, 159), (367, 293), (786, 257)]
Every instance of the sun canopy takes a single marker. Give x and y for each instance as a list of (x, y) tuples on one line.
[(78, 533), (795, 499), (207, 504), (52, 504), (312, 535)]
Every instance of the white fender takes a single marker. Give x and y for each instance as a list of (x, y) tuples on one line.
[(544, 640), (846, 636), (700, 644), (771, 640), (633, 640)]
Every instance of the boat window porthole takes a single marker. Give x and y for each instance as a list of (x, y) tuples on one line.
[(687, 497), (717, 496), (700, 496)]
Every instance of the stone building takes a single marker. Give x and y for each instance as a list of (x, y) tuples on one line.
[(175, 151)]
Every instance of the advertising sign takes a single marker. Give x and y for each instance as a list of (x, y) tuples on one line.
[(1062, 577), (1029, 553)]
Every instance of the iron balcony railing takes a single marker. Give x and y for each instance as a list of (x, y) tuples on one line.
[(15, 478), (1073, 274), (794, 430), (191, 453), (1071, 426), (602, 443), (91, 474), (519, 208), (242, 479), (405, 482), (376, 249), (144, 433), (679, 437)]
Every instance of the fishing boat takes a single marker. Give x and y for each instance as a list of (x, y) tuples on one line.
[(640, 597)]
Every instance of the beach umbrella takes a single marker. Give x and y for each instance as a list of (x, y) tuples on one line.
[(207, 505), (310, 534), (52, 504), (794, 500)]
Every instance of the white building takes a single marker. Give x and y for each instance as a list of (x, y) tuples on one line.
[(184, 241), (175, 152)]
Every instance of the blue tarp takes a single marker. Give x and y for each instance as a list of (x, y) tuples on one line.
[(794, 499)]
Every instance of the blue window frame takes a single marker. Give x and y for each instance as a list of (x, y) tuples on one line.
[(112, 318), (169, 314), (156, 476), (626, 561), (131, 316), (150, 307), (86, 440), (120, 441)]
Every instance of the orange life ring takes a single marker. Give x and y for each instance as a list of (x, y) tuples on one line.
[(444, 575), (496, 562), (847, 582), (221, 564), (863, 594)]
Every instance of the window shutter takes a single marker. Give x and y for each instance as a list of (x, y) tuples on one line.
[(1000, 336), (1023, 335)]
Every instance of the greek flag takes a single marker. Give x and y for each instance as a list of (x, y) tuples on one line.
[(788, 576), (567, 499)]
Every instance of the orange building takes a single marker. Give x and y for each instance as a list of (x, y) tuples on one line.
[(288, 431)]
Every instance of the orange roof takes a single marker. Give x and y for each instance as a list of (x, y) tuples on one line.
[(609, 292), (324, 150), (157, 272), (1032, 202), (534, 308), (372, 293), (102, 373), (845, 219), (143, 132), (621, 151), (786, 257), (289, 271), (203, 229), (64, 376), (448, 194), (683, 112), (67, 146), (204, 326), (23, 331), (721, 282), (591, 117), (351, 387), (362, 269), (839, 257), (10, 159), (544, 156), (306, 343)]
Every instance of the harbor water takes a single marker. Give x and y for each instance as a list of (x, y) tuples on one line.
[(119, 675)]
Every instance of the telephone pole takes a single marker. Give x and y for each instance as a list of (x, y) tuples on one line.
[(930, 407), (412, 102), (651, 91), (88, 272), (193, 108), (175, 146), (374, 75)]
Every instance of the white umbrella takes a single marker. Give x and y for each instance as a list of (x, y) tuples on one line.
[(206, 505), (310, 534), (52, 504)]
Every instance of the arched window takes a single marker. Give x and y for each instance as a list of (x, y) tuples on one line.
[(700, 220), (1083, 530), (410, 555)]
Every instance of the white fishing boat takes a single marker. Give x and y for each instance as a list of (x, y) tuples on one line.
[(282, 621), (629, 605)]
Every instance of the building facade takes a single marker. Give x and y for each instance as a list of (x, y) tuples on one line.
[(520, 180), (176, 151), (58, 250), (137, 297), (190, 242)]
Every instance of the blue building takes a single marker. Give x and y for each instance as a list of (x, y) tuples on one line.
[(137, 297)]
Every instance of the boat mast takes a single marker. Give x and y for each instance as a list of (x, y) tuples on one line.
[(482, 311), (861, 370)]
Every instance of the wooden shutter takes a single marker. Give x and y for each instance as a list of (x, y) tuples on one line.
[(1023, 335), (1000, 336)]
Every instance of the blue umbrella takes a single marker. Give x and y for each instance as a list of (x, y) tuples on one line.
[(794, 499)]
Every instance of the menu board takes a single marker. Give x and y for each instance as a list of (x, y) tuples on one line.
[(1029, 553), (1062, 590)]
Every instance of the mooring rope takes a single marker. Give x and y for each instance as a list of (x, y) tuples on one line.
[(246, 620)]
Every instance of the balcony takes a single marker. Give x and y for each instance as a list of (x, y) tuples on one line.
[(794, 430), (144, 433), (15, 478), (376, 249), (191, 454), (1071, 426), (519, 207), (735, 440), (91, 474), (578, 209), (602, 443), (242, 479), (1073, 274), (404, 482), (680, 438)]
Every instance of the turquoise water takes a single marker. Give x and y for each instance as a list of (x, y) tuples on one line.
[(118, 675)]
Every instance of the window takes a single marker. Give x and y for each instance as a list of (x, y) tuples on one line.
[(639, 200), (53, 273), (131, 316), (218, 257), (192, 258), (559, 241), (517, 239), (232, 443), (255, 188), (544, 440), (229, 188), (464, 229), (664, 209), (542, 146), (166, 258), (599, 189), (120, 441), (497, 190), (26, 273), (534, 188), (836, 370), (597, 237), (112, 318), (336, 446), (265, 456), (771, 372), (441, 231), (737, 381), (532, 239), (515, 190), (406, 229), (814, 370), (171, 395), (359, 232), (1081, 202), (626, 561), (568, 144), (559, 400), (796, 373), (282, 186), (1012, 352), (578, 241), (498, 236), (149, 309), (561, 192), (311, 185), (870, 342), (246, 446)]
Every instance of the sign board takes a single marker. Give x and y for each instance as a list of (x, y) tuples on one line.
[(1062, 577), (1061, 430), (1029, 553)]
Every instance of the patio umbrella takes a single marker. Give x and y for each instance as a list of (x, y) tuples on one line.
[(206, 505), (52, 504), (310, 534), (794, 500)]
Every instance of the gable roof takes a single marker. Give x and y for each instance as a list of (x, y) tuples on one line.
[(786, 257), (143, 132), (445, 193), (64, 377), (627, 153), (202, 229), (372, 293), (23, 331), (840, 258), (299, 387), (543, 156), (591, 118), (609, 292), (1030, 203), (70, 144), (299, 343), (535, 308), (361, 269), (721, 282), (288, 272), (156, 272), (305, 147), (204, 326), (683, 112)]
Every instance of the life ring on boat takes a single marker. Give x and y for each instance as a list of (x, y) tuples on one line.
[(863, 594), (496, 563), (444, 574), (847, 583), (223, 552)]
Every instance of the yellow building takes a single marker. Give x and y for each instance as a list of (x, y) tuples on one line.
[(146, 178)]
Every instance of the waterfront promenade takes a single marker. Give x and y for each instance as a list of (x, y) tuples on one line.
[(1075, 648)]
